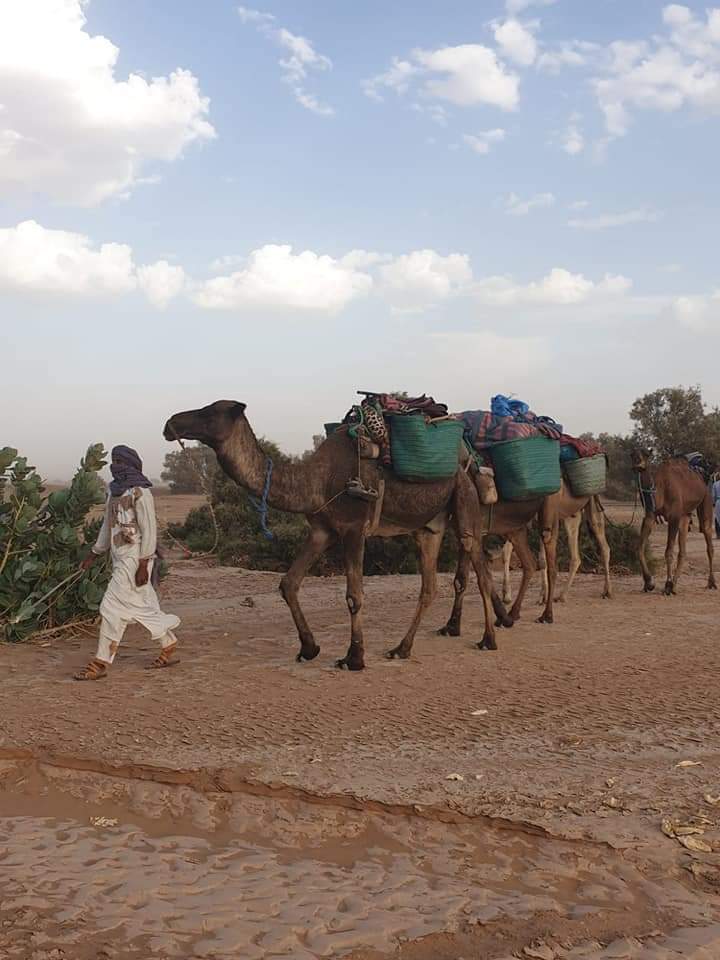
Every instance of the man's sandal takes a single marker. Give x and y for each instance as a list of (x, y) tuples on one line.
[(164, 659), (95, 670)]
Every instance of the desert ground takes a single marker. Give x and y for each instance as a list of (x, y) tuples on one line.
[(558, 798)]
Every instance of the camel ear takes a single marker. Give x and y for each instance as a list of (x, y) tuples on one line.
[(238, 410)]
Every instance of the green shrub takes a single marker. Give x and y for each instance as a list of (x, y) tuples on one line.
[(43, 541)]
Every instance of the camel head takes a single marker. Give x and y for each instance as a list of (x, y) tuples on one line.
[(211, 425), (640, 458)]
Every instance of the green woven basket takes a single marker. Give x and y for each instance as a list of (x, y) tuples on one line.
[(526, 468), (424, 451), (587, 476)]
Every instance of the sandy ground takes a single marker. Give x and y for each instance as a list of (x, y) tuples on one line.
[(256, 807)]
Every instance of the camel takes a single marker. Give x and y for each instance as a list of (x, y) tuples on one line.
[(510, 519), (571, 512), (317, 489), (671, 492)]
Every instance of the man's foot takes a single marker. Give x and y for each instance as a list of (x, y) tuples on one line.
[(165, 658), (95, 670)]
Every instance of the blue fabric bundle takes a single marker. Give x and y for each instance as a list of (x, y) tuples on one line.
[(503, 406)]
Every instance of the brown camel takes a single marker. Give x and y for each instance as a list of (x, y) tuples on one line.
[(316, 488), (571, 510), (510, 519), (671, 492)]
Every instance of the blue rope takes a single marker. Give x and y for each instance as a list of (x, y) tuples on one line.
[(261, 505)]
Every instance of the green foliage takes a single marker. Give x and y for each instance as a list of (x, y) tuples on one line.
[(675, 420), (185, 471), (43, 541)]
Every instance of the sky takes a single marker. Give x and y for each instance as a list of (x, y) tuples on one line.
[(284, 204)]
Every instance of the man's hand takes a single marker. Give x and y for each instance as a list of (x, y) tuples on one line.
[(88, 561), (142, 576)]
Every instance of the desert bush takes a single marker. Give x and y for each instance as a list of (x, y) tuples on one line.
[(43, 540)]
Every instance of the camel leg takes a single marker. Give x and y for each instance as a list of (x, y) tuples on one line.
[(542, 567), (452, 627), (318, 540), (595, 517), (429, 545), (550, 539), (645, 531), (705, 520), (673, 529), (527, 560), (507, 589), (354, 550), (484, 579), (572, 528), (682, 550)]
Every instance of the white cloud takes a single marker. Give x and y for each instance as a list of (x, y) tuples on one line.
[(276, 278), (665, 73), (520, 208), (572, 139), (424, 277), (573, 53), (161, 282), (579, 204), (471, 74), (605, 221), (362, 259), (482, 142), (697, 313), (559, 287), (33, 259), (301, 57), (466, 75), (71, 129), (516, 42)]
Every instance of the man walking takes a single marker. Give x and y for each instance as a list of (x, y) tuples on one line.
[(129, 532)]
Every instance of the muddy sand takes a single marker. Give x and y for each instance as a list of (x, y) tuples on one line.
[(457, 805)]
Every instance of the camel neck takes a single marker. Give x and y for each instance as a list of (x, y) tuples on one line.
[(242, 458)]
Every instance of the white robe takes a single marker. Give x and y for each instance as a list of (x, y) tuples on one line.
[(129, 532)]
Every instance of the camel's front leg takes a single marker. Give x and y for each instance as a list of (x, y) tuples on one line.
[(452, 627), (429, 545), (682, 550), (550, 539), (645, 531), (572, 528), (527, 561), (354, 550), (705, 519), (481, 565), (673, 530), (507, 552), (318, 541), (596, 518)]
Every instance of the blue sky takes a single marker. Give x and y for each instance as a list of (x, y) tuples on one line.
[(282, 204)]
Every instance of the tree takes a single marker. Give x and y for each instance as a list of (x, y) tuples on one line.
[(672, 420), (183, 469)]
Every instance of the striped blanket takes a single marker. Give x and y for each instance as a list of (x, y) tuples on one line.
[(483, 428)]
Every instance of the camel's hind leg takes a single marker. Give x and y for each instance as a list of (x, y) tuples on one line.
[(549, 534), (452, 627), (572, 529), (354, 550), (673, 530), (645, 531), (705, 520), (429, 545), (318, 540), (481, 565), (507, 552)]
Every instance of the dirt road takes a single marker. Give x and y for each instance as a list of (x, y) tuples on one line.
[(460, 804)]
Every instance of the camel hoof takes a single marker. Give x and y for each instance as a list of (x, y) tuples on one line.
[(308, 654), (607, 595), (649, 587), (396, 652), (712, 585), (449, 630), (347, 664), (487, 643), (669, 589), (546, 618)]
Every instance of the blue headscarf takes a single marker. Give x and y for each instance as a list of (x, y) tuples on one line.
[(127, 471)]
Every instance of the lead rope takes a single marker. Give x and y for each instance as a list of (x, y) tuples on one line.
[(261, 506)]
